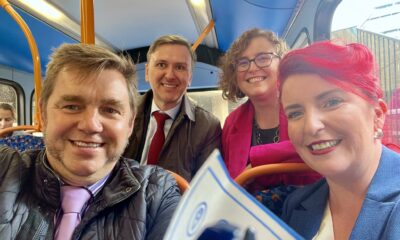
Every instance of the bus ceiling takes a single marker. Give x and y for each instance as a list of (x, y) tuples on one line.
[(131, 26)]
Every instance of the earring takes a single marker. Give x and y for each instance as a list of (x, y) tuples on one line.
[(378, 134)]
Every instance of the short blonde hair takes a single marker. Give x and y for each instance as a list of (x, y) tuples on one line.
[(174, 40)]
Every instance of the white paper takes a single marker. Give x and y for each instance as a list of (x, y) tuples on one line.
[(214, 196)]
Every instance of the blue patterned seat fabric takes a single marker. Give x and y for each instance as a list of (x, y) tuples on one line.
[(23, 142), (274, 197)]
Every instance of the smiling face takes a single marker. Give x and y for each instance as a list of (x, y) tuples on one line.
[(169, 73), (331, 129), (87, 123), (258, 83)]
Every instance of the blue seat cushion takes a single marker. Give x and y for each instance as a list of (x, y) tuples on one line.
[(23, 142)]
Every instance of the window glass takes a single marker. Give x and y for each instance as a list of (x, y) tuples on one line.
[(33, 107), (213, 102), (376, 24), (9, 95)]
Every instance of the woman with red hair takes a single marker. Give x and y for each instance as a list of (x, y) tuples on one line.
[(333, 101)]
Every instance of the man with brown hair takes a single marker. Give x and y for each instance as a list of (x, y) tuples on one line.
[(88, 109), (188, 132)]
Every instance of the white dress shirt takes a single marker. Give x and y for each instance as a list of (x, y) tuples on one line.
[(152, 127)]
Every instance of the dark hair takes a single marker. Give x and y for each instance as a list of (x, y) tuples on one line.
[(351, 67)]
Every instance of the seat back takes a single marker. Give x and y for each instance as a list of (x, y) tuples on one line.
[(23, 142), (270, 169), (272, 197), (182, 183)]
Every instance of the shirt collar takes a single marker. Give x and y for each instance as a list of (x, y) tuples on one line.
[(170, 112)]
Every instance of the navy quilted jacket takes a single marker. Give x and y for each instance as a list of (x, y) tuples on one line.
[(137, 202)]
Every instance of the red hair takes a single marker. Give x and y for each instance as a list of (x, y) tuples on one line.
[(351, 67)]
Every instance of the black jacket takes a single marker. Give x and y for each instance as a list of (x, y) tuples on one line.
[(136, 202), (194, 134)]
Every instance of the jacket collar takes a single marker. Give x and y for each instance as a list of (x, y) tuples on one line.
[(380, 199), (311, 210), (187, 107), (119, 186), (245, 117)]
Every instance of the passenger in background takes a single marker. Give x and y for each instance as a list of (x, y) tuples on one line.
[(189, 134), (7, 118), (333, 101), (249, 69), (79, 186)]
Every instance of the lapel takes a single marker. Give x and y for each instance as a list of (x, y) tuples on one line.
[(308, 215), (238, 140), (137, 139), (186, 113), (382, 195), (186, 110), (243, 121), (379, 202)]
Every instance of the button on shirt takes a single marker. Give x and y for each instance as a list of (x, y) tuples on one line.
[(152, 127)]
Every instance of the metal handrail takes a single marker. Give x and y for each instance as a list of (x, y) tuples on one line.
[(37, 124), (87, 22), (203, 34)]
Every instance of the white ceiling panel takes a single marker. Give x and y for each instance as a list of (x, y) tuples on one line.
[(137, 22)]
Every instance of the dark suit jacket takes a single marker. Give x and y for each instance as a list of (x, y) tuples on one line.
[(380, 213), (194, 134)]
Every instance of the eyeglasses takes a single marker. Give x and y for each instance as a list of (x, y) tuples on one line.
[(262, 60)]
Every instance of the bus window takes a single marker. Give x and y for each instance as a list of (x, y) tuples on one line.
[(213, 102), (376, 24), (9, 95), (33, 107), (302, 40)]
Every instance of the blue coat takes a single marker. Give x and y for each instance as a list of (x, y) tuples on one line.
[(379, 217)]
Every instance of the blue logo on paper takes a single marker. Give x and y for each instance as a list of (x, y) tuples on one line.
[(197, 218)]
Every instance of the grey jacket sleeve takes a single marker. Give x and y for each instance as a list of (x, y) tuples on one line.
[(164, 195)]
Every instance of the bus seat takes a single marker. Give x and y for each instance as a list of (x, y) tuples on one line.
[(6, 131), (23, 142), (272, 196), (182, 183)]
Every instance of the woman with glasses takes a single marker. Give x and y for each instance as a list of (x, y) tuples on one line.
[(249, 69)]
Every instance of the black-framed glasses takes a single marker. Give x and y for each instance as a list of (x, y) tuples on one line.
[(262, 60)]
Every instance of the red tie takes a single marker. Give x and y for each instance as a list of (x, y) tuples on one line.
[(158, 139)]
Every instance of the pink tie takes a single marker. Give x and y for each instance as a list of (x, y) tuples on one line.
[(73, 199), (159, 138)]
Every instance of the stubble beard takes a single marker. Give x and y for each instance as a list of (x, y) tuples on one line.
[(51, 150)]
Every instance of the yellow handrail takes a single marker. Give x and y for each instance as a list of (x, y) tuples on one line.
[(87, 22), (37, 125), (203, 34), (6, 131)]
